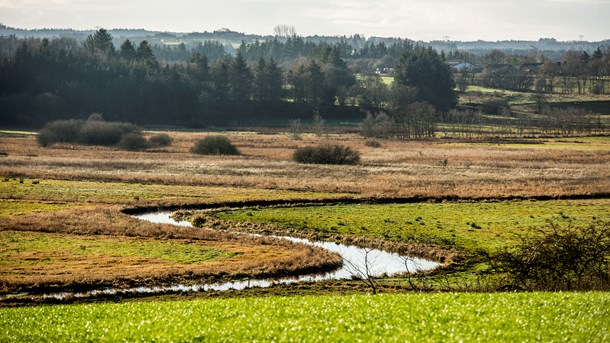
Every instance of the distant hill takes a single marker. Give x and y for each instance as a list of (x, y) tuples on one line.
[(234, 39)]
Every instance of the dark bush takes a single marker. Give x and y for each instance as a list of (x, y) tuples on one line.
[(214, 145), (132, 142), (562, 259), (326, 154), (59, 131), (372, 144), (495, 106), (90, 132), (160, 140), (95, 132)]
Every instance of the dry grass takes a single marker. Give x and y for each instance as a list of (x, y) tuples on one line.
[(256, 257), (435, 168), (98, 182)]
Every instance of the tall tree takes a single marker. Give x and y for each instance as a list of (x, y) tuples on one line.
[(267, 81), (315, 89), (100, 42), (424, 70), (240, 77), (220, 80), (127, 51)]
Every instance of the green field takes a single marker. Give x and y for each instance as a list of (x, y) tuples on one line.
[(439, 317), (464, 225), (55, 248), (127, 193)]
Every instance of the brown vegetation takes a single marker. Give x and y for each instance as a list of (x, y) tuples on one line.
[(256, 257), (433, 168)]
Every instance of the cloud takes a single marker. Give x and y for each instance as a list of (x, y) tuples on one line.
[(416, 19)]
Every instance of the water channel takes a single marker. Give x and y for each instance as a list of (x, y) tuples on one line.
[(356, 260)]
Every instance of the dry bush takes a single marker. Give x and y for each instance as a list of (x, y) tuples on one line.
[(97, 132), (90, 132), (214, 145), (160, 140), (59, 131), (326, 154), (561, 259), (132, 142)]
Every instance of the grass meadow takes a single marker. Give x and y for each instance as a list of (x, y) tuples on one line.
[(465, 225), (63, 226)]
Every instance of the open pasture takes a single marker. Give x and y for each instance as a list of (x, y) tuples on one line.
[(418, 317), (467, 226)]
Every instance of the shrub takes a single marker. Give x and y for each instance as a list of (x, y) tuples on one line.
[(562, 259), (377, 125), (214, 145), (132, 142), (160, 140), (326, 154), (90, 132), (495, 106), (97, 132), (59, 131), (372, 144)]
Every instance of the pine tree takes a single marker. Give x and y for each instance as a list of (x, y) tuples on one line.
[(423, 69)]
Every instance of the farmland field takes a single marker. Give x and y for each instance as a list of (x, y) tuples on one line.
[(447, 317)]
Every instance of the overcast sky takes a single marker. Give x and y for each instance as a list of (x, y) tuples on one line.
[(414, 19)]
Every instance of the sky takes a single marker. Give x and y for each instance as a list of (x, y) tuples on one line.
[(463, 20)]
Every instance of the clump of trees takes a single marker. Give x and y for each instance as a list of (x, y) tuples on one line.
[(214, 145), (567, 121), (87, 132), (560, 259), (326, 154), (97, 131), (423, 86)]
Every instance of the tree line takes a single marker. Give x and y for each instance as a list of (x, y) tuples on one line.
[(571, 72), (44, 80)]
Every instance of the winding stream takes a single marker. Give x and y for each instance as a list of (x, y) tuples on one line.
[(379, 262), (355, 260)]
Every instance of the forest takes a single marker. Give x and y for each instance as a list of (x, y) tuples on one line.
[(281, 79)]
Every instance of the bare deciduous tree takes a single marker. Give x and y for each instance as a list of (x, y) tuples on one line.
[(364, 271)]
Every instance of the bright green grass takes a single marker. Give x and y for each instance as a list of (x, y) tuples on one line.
[(51, 248), (129, 193), (444, 317), (466, 225)]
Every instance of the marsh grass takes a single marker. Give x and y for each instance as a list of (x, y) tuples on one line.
[(554, 167), (468, 226), (249, 256), (82, 189)]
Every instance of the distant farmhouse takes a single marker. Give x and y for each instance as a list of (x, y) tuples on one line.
[(530, 68), (461, 67), (384, 71)]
